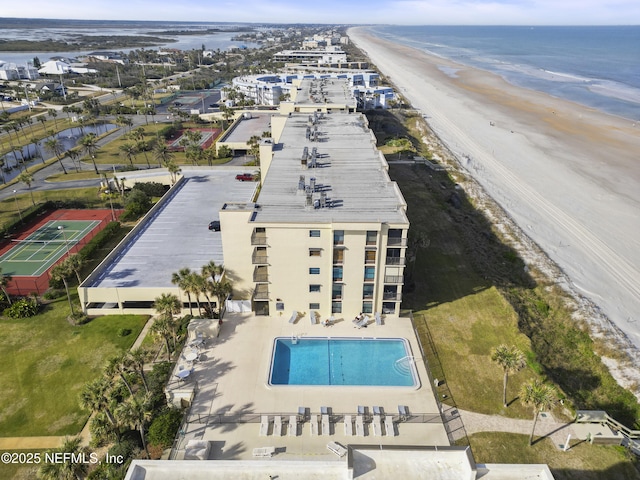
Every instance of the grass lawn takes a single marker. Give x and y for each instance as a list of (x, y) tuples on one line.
[(45, 363), (581, 462)]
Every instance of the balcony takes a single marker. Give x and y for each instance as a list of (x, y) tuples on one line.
[(259, 258), (396, 260), (392, 296), (396, 242), (259, 238), (393, 279), (260, 274), (261, 292)]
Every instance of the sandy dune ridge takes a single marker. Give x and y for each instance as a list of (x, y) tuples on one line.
[(568, 175)]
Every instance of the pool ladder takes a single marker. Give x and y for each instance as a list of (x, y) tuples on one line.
[(294, 340)]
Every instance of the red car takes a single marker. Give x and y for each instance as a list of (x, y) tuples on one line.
[(244, 177)]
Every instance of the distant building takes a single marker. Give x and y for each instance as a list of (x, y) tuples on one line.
[(12, 71), (320, 57), (58, 67)]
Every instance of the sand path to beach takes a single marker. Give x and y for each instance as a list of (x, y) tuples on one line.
[(568, 175)]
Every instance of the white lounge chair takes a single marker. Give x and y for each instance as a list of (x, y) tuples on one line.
[(389, 428), (264, 451), (378, 318), (294, 317), (361, 323), (264, 425), (337, 449), (360, 426), (377, 426), (326, 426), (348, 426), (313, 423), (277, 425), (377, 410), (403, 410), (293, 426), (312, 318)]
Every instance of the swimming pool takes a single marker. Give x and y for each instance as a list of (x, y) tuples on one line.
[(342, 362)]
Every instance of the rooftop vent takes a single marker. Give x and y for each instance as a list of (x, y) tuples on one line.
[(323, 200), (312, 184), (309, 202), (301, 185)]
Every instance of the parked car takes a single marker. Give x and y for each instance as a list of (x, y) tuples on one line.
[(215, 226), (244, 177)]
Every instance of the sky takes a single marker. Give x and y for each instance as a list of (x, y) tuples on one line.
[(402, 12)]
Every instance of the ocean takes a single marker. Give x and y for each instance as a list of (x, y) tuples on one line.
[(595, 66)]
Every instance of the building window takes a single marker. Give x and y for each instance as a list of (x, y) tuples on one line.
[(314, 306), (369, 274), (367, 307), (336, 292), (337, 274), (372, 237), (314, 233), (370, 257), (367, 292), (279, 306), (388, 308), (338, 237), (314, 288), (336, 307), (314, 252), (338, 257), (314, 271)]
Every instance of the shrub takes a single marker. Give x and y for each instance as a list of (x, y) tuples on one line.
[(136, 204), (123, 332), (53, 293), (164, 428), (152, 189), (101, 238), (22, 308)]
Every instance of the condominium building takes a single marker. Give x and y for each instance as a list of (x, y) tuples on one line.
[(327, 234)]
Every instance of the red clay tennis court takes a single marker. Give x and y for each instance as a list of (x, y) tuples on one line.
[(29, 255)]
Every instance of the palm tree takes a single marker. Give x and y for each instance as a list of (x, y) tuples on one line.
[(53, 114), (119, 365), (142, 146), (90, 147), (63, 271), (182, 278), (167, 304), (4, 281), (135, 413), (27, 179), (128, 150), (74, 155), (162, 154), (511, 360), (539, 396), (70, 468), (221, 290), (96, 397), (162, 328), (174, 170), (137, 360), (55, 147)]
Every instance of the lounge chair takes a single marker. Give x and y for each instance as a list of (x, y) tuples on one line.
[(302, 414), (264, 425), (313, 422), (293, 426), (336, 448), (360, 426), (362, 410), (389, 428), (312, 318), (264, 451), (378, 318), (362, 322), (377, 426), (378, 410), (326, 425), (277, 425), (403, 410), (348, 426), (294, 317)]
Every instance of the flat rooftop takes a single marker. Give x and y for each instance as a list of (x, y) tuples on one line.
[(325, 91), (248, 127), (350, 171), (177, 235)]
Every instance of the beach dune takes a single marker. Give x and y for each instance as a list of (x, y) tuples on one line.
[(568, 175)]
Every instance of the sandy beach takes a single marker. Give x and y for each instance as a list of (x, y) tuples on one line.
[(568, 175)]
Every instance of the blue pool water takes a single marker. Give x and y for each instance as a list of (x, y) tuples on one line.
[(342, 362)]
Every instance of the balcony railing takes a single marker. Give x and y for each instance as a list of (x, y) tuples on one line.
[(260, 275), (392, 296), (259, 238), (259, 258), (261, 292), (397, 241), (396, 260), (393, 279)]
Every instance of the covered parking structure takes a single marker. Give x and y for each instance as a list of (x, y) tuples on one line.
[(173, 235)]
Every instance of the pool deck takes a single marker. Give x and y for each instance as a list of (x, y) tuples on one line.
[(232, 377)]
